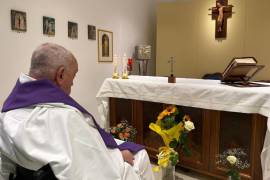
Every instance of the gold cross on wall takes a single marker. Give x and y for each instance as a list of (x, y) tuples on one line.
[(221, 13)]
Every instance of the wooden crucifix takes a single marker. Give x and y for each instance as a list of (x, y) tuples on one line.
[(171, 61), (221, 13)]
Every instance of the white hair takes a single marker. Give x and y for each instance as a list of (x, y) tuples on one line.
[(47, 58)]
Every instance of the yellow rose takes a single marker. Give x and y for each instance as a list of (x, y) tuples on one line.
[(231, 159), (164, 156), (160, 116), (164, 113), (170, 110), (173, 109), (189, 125)]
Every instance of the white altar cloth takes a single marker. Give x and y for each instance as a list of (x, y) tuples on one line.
[(206, 94)]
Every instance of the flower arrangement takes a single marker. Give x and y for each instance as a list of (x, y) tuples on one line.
[(123, 131), (235, 159), (174, 132)]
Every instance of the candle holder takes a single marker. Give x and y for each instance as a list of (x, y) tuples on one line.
[(171, 79)]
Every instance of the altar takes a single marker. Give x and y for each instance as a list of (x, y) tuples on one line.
[(224, 117)]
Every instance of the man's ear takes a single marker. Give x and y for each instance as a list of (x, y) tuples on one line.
[(59, 75)]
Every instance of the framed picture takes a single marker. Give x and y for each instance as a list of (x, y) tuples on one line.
[(48, 26), (72, 30), (91, 32), (105, 46), (18, 21)]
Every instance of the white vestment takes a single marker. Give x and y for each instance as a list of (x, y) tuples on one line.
[(65, 138)]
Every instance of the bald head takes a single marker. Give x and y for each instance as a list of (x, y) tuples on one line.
[(53, 62)]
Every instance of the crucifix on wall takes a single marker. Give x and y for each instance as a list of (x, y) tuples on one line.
[(221, 12), (172, 62)]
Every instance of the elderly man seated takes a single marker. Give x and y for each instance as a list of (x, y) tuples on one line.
[(41, 126)]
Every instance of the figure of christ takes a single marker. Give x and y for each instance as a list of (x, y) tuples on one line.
[(220, 16)]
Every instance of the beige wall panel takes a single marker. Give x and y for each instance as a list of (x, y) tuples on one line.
[(258, 34), (175, 40), (186, 31)]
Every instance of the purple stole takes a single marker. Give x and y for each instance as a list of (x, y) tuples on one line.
[(44, 91)]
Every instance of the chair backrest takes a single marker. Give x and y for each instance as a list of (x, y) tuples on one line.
[(213, 76), (44, 173)]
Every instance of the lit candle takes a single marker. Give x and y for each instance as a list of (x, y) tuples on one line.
[(115, 67), (124, 67), (115, 63), (124, 61)]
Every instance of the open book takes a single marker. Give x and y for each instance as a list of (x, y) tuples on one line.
[(240, 71)]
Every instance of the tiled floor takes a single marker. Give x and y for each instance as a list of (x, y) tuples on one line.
[(180, 175)]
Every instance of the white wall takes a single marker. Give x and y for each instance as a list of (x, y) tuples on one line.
[(131, 21)]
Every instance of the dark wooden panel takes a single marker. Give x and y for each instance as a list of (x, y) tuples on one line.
[(151, 140), (120, 109), (260, 127), (237, 130), (198, 139), (215, 132)]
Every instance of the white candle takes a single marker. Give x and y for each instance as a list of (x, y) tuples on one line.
[(124, 63), (115, 63)]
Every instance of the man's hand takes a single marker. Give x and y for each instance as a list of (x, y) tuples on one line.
[(128, 157)]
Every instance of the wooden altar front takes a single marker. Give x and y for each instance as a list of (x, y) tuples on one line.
[(215, 132), (220, 123)]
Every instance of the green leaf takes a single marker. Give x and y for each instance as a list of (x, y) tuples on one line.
[(168, 122), (183, 138), (173, 144), (174, 157), (234, 174)]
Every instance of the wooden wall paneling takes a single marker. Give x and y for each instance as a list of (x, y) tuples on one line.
[(214, 139), (259, 132), (112, 112), (151, 139), (250, 133), (251, 136), (200, 157), (137, 119)]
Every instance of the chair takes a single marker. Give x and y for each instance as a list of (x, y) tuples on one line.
[(44, 173), (213, 76)]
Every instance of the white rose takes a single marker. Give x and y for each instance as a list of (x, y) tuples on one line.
[(189, 125), (231, 159)]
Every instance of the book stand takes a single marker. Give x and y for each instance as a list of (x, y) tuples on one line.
[(240, 71)]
